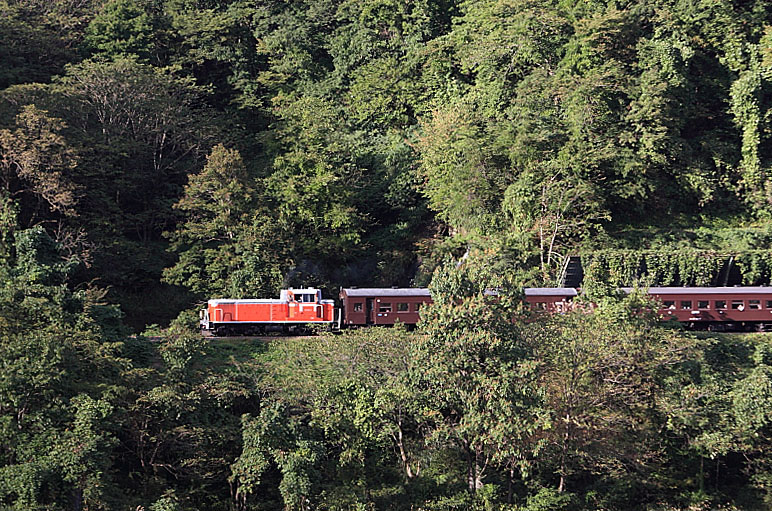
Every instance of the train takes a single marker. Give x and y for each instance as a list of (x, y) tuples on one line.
[(299, 311), (295, 312)]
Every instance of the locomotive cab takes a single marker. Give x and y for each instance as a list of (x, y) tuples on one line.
[(309, 295)]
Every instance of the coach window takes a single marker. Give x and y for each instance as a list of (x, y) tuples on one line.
[(769, 304), (738, 305), (720, 304), (401, 307), (540, 306), (384, 307), (668, 304), (703, 304), (754, 304), (358, 307), (686, 304)]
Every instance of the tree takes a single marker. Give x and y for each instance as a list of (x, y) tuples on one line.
[(37, 160), (39, 38), (313, 181), (556, 208), (275, 438), (138, 132), (122, 27), (601, 372), (480, 377), (353, 399), (226, 245), (61, 370), (512, 39), (462, 178), (216, 199), (144, 135), (181, 427), (221, 45), (718, 412)]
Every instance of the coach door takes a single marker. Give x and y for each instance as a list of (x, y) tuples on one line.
[(370, 306)]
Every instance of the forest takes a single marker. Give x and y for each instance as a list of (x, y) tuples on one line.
[(158, 153)]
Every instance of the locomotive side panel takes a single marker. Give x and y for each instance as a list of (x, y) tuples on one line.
[(305, 312), (254, 312), (328, 312), (279, 312)]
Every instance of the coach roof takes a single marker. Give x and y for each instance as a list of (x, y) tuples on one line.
[(705, 290), (386, 291), (550, 291)]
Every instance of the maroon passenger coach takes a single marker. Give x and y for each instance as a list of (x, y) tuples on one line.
[(382, 306), (550, 299), (747, 306), (710, 308)]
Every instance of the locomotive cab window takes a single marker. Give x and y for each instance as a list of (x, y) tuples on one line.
[(384, 307), (401, 307), (738, 305), (703, 304), (754, 304), (720, 304), (686, 304), (358, 307), (668, 304), (306, 298)]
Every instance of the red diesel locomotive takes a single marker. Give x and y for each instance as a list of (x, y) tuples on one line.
[(293, 312), (712, 308)]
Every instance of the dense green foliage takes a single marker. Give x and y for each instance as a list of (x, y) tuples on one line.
[(156, 153), (602, 410), (362, 142)]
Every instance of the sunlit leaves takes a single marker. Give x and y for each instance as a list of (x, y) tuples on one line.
[(36, 158), (226, 245)]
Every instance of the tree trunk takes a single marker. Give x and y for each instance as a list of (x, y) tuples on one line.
[(398, 439), (77, 499), (563, 455), (510, 486), (471, 477)]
